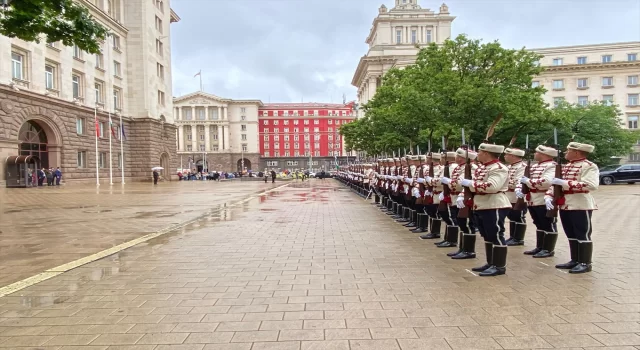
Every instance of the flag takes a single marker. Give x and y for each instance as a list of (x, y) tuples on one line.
[(111, 126), (198, 73), (97, 128), (123, 135)]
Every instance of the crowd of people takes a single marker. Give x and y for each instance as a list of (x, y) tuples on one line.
[(51, 176)]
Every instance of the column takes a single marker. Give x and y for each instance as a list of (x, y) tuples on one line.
[(206, 114), (219, 113), (181, 138), (227, 138), (207, 139), (220, 148), (372, 87), (434, 34), (194, 137), (225, 111)]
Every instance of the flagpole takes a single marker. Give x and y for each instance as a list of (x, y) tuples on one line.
[(121, 150), (200, 80), (110, 155), (95, 118)]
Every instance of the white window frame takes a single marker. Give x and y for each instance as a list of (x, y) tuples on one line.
[(98, 87), (78, 84), (583, 83), (607, 100), (632, 121), (631, 57), (632, 80), (583, 100), (633, 99), (79, 125), (81, 160), (607, 85), (583, 58), (607, 58), (558, 84), (398, 36), (50, 76), (18, 65), (557, 61)]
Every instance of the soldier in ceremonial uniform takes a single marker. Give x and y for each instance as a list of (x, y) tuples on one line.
[(579, 178), (410, 200), (491, 206), (432, 207), (403, 189), (467, 246), (446, 203), (517, 222), (419, 194), (541, 175)]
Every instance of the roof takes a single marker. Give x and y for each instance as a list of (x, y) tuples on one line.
[(306, 105), (213, 97)]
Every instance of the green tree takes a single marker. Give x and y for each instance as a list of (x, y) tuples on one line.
[(58, 20)]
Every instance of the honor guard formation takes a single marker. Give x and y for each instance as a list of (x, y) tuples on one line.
[(468, 192)]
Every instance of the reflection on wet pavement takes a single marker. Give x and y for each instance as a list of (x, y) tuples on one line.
[(331, 272)]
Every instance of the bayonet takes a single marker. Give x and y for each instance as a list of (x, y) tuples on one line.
[(526, 144)]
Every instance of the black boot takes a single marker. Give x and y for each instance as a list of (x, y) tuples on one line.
[(488, 248), (383, 202), (548, 245), (394, 208), (422, 223), (460, 246), (398, 213), (451, 237), (499, 265), (512, 230), (518, 234), (376, 199), (435, 229), (539, 240), (412, 219), (585, 252), (468, 247), (405, 215), (573, 248)]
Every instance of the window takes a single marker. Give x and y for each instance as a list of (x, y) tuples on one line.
[(160, 71), (100, 61), (632, 121), (116, 99), (80, 126), (558, 84), (266, 145), (557, 101), (295, 122), (330, 121), (296, 138), (266, 154), (632, 80), (306, 129), (275, 122), (244, 137), (276, 154), (583, 83), (160, 5), (77, 53), (398, 36), (101, 127), (276, 130), (102, 160), (582, 60), (286, 137), (315, 113), (316, 129), (330, 129), (607, 99), (159, 47), (244, 128), (189, 147), (160, 98), (82, 159), (287, 153), (18, 66), (414, 36), (159, 24), (276, 137), (428, 36), (287, 145), (276, 144), (52, 44), (583, 100), (306, 145), (316, 145), (117, 69), (316, 154), (187, 114), (607, 81), (296, 130), (50, 76), (115, 40), (286, 129), (330, 137), (557, 61), (286, 122), (202, 148), (266, 137), (632, 57), (534, 84), (606, 58), (98, 88), (292, 162), (119, 160), (266, 122), (76, 83), (213, 113), (296, 145), (632, 100), (201, 114), (243, 110), (272, 163), (316, 121), (243, 117)]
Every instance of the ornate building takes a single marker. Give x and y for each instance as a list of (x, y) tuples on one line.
[(51, 96), (303, 135), (395, 39), (216, 133), (602, 72)]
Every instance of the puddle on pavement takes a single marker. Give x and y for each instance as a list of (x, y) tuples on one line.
[(42, 301)]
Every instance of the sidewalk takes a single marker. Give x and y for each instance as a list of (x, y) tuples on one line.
[(313, 266)]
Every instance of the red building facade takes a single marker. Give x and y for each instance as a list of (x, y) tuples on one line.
[(303, 129)]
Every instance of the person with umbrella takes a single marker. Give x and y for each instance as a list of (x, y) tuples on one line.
[(156, 174)]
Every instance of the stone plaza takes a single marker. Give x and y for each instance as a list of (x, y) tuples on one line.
[(297, 265)]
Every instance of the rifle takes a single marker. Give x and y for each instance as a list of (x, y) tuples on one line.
[(463, 213), (521, 204), (430, 173), (446, 191), (558, 193)]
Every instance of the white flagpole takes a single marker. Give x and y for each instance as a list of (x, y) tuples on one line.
[(95, 126), (121, 150), (110, 156), (201, 80)]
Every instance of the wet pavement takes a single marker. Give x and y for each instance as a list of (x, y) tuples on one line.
[(42, 228), (313, 266)]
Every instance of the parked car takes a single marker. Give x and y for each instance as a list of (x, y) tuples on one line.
[(629, 173)]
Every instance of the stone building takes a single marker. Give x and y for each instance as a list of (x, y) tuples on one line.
[(55, 99), (602, 72), (395, 39), (216, 133)]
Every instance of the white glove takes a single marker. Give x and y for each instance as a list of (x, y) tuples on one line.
[(466, 182), (460, 202), (427, 194), (519, 193), (549, 203), (445, 180), (428, 178), (560, 182), (415, 192), (524, 180), (408, 180), (420, 180), (441, 196)]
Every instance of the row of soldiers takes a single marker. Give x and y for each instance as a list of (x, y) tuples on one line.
[(420, 192)]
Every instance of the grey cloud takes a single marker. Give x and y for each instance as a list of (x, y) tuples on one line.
[(286, 50)]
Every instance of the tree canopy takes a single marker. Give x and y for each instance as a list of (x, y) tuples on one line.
[(465, 83), (56, 20)]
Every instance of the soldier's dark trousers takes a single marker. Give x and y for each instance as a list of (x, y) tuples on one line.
[(540, 219), (432, 210), (448, 217), (517, 215), (577, 224), (491, 224)]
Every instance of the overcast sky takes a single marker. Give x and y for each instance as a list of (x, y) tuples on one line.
[(294, 50)]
